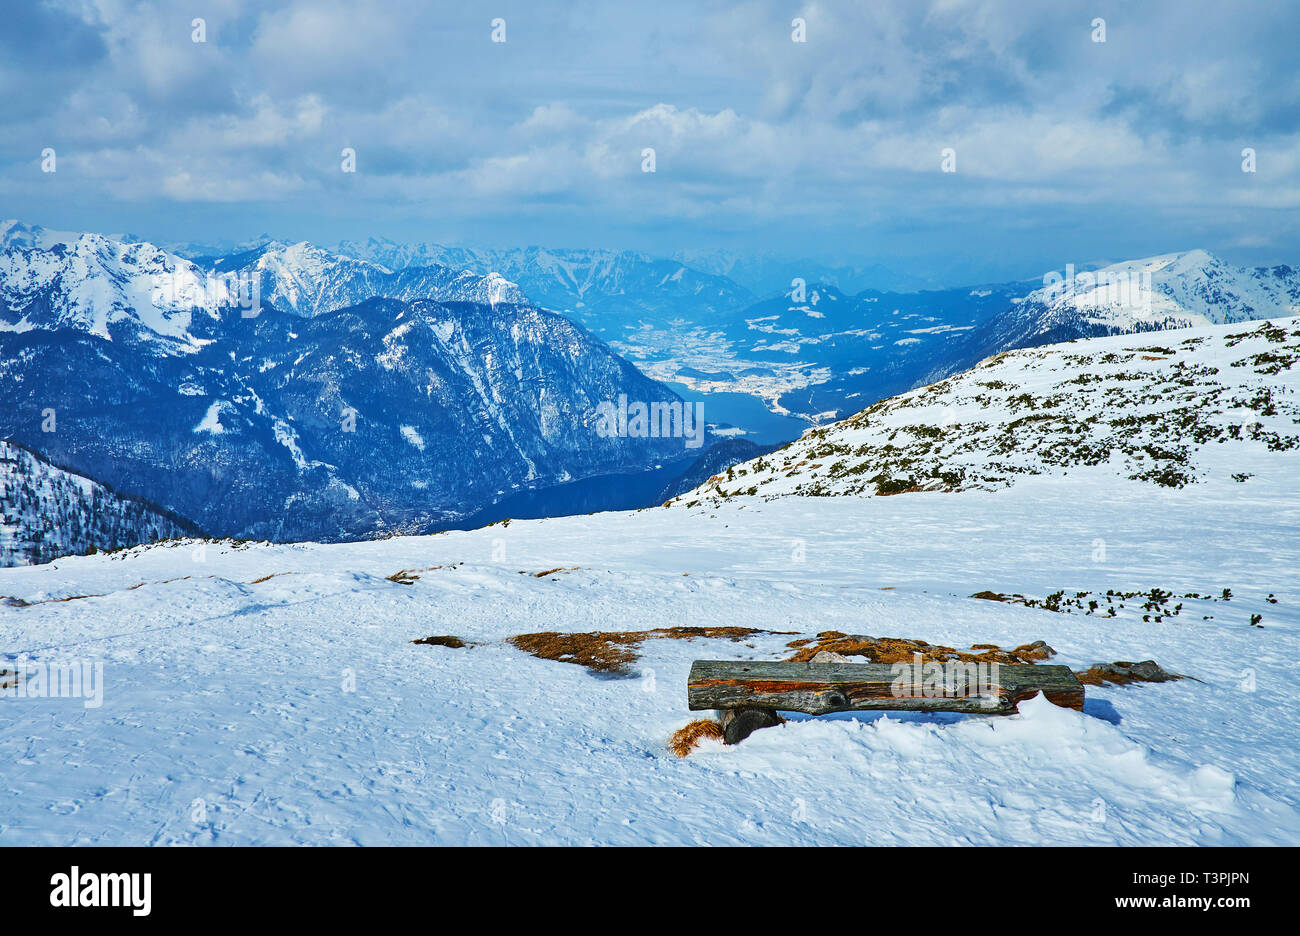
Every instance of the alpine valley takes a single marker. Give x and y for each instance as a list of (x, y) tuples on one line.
[(816, 342), (284, 391)]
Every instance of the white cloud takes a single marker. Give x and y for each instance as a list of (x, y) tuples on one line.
[(814, 142)]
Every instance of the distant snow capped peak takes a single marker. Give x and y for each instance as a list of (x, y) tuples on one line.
[(100, 283), (15, 234), (308, 254), (498, 289), (97, 284), (309, 280), (1188, 261), (1174, 290), (1172, 264), (1192, 287)]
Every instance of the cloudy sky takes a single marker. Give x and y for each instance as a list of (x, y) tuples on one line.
[(1066, 149)]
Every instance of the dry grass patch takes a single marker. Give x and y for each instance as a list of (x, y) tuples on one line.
[(602, 652), (410, 576), (547, 572), (612, 651), (688, 738), (1122, 673), (903, 650)]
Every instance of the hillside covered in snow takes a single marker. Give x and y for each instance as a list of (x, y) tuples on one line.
[(46, 513), (1170, 409)]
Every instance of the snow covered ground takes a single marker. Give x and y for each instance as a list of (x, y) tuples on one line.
[(227, 717)]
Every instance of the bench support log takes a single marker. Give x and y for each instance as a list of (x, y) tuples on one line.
[(821, 688), (739, 723)]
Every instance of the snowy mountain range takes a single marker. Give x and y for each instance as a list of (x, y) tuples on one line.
[(579, 272), (89, 281), (1170, 291), (288, 395), (608, 291), (220, 386), (307, 280), (750, 323)]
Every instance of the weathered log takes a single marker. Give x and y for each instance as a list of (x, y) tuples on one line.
[(820, 688), (739, 723)]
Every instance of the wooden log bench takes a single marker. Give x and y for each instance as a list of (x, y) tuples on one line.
[(749, 693)]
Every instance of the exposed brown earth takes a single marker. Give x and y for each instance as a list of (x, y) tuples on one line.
[(611, 651), (903, 650), (1122, 673)]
